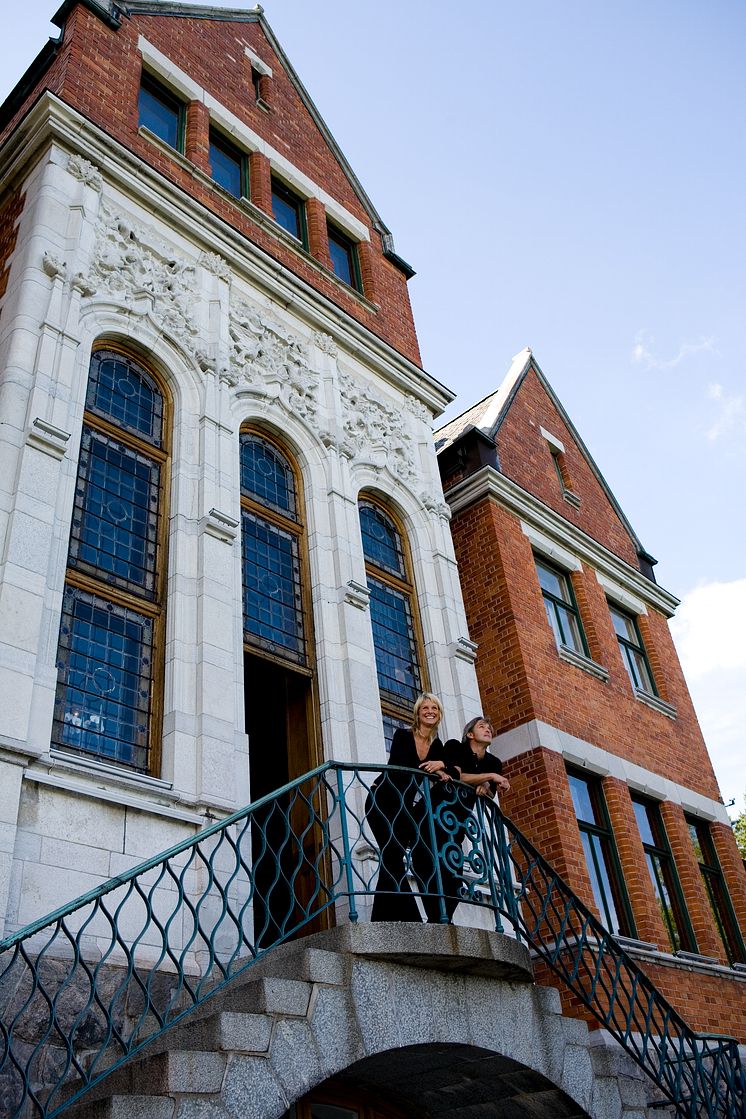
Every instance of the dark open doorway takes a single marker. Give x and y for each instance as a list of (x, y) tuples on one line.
[(285, 849)]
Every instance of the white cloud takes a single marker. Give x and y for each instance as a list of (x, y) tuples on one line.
[(643, 352), (731, 416), (710, 635)]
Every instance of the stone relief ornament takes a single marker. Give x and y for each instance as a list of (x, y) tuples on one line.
[(54, 267), (133, 269), (84, 171), (268, 361), (216, 264), (375, 430), (419, 410), (326, 344)]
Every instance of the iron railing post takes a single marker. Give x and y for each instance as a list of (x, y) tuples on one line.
[(347, 853), (435, 848)]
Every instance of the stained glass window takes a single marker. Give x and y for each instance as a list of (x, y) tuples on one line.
[(271, 536), (392, 615), (106, 653)]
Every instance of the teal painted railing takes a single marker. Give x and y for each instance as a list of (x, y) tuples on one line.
[(88, 986)]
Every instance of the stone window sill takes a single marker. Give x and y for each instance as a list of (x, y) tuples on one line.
[(656, 703), (583, 662)]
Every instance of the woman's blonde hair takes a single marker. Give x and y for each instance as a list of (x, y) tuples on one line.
[(416, 712)]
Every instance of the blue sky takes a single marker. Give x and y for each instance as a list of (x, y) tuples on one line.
[(567, 176)]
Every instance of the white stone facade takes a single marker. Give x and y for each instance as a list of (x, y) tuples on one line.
[(106, 252)]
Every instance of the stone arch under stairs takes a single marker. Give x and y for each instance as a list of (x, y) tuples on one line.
[(441, 1020)]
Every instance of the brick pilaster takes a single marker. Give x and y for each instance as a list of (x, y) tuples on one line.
[(733, 870), (645, 908), (692, 886), (318, 238), (197, 147), (261, 182), (367, 271)]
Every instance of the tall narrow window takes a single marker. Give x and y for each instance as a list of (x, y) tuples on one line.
[(562, 609), (289, 212), (717, 891), (633, 651), (161, 112), (344, 257), (663, 875), (109, 670), (393, 615), (273, 612), (229, 166), (601, 854)]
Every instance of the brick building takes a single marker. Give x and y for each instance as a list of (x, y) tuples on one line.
[(227, 559), (593, 717)]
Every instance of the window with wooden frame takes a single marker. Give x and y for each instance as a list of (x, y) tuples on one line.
[(229, 165), (272, 538), (393, 613), (289, 211), (561, 608), (162, 112), (717, 891), (599, 848), (663, 875), (633, 650), (345, 262), (110, 655)]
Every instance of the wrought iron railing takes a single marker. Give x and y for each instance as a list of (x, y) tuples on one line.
[(88, 986)]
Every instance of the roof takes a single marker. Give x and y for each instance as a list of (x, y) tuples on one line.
[(488, 415)]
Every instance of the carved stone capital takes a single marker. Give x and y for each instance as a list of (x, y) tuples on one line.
[(356, 594), (221, 526), (54, 267), (464, 649), (86, 172), (47, 438)]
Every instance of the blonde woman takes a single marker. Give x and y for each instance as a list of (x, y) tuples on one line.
[(395, 814)]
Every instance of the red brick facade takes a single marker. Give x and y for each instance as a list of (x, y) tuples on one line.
[(97, 72), (524, 680), (9, 215)]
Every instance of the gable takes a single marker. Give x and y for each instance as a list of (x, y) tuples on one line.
[(532, 425)]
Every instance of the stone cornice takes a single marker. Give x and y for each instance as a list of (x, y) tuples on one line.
[(50, 120), (489, 483)]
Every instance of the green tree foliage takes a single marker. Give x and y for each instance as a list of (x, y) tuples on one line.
[(739, 830)]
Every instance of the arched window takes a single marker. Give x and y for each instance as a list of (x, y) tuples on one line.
[(271, 532), (393, 613), (110, 647)]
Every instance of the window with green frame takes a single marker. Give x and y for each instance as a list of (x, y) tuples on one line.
[(633, 651), (229, 165), (161, 112), (345, 262), (717, 891), (600, 853), (289, 211), (562, 609), (663, 875)]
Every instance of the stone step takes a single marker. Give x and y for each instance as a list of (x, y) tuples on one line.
[(129, 1107), (270, 995), (186, 1072)]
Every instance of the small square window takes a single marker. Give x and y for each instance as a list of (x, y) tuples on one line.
[(633, 651), (161, 113), (562, 610), (289, 212), (229, 166), (345, 262)]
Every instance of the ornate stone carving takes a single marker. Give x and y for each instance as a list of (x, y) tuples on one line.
[(54, 267), (418, 409), (375, 430), (268, 361), (434, 504), (144, 275), (81, 169), (216, 264), (81, 284), (326, 343)]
